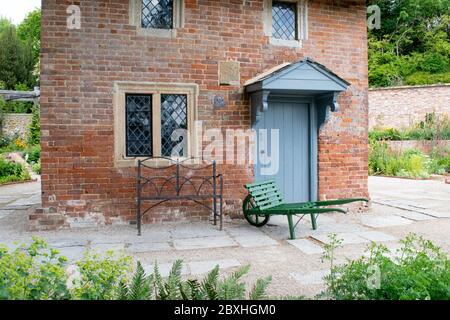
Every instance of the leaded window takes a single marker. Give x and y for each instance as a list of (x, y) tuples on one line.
[(157, 14), (173, 117), (284, 20), (138, 125)]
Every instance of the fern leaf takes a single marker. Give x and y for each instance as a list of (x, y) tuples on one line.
[(209, 284), (174, 280), (123, 291), (140, 287), (259, 289)]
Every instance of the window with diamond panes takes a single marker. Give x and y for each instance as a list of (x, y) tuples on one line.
[(173, 117), (157, 14), (284, 20), (138, 125)]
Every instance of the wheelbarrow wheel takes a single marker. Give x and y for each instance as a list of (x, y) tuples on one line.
[(254, 219)]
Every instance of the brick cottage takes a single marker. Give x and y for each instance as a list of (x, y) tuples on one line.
[(297, 66)]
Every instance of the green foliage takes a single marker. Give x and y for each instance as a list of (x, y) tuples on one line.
[(410, 163), (417, 271), (30, 30), (412, 46), (433, 127), (16, 60), (5, 24), (12, 172), (33, 154), (423, 78), (101, 276), (32, 273), (34, 136), (154, 286), (37, 273), (36, 167)]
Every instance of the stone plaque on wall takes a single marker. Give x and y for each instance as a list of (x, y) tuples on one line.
[(229, 73)]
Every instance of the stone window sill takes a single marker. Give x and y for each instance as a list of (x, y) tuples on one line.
[(285, 43)]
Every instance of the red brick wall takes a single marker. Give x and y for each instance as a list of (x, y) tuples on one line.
[(79, 67), (403, 106)]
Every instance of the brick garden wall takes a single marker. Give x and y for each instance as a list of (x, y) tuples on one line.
[(78, 68), (402, 106)]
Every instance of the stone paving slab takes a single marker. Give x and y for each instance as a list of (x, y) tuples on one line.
[(415, 216), (201, 267), (384, 221), (415, 209), (376, 236), (306, 246), (315, 277), (148, 246), (255, 241), (203, 243), (347, 238)]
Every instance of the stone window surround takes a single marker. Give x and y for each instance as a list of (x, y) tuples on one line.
[(135, 11), (121, 88), (302, 24)]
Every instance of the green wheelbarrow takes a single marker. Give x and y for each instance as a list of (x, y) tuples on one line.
[(264, 199)]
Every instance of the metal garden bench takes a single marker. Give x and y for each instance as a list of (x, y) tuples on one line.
[(178, 180), (265, 199)]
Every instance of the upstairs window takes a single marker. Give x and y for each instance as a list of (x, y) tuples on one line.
[(284, 20), (157, 14)]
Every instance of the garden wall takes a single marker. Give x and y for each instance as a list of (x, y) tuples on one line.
[(16, 123), (425, 146), (398, 107)]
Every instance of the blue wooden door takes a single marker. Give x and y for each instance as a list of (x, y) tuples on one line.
[(291, 169)]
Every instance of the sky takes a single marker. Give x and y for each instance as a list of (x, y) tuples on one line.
[(16, 10)]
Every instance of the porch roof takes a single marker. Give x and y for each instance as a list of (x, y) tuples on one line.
[(306, 76)]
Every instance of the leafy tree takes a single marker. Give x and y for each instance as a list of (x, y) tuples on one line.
[(4, 24), (30, 30), (16, 60), (413, 44)]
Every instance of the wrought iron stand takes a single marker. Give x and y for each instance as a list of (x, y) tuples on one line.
[(176, 186)]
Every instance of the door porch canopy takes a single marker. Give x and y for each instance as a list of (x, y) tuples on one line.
[(305, 78)]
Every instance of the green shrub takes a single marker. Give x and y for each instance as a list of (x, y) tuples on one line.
[(37, 167), (410, 163), (433, 127), (100, 277), (417, 271), (34, 135), (33, 154), (386, 134), (425, 78), (12, 172), (36, 273), (32, 273)]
